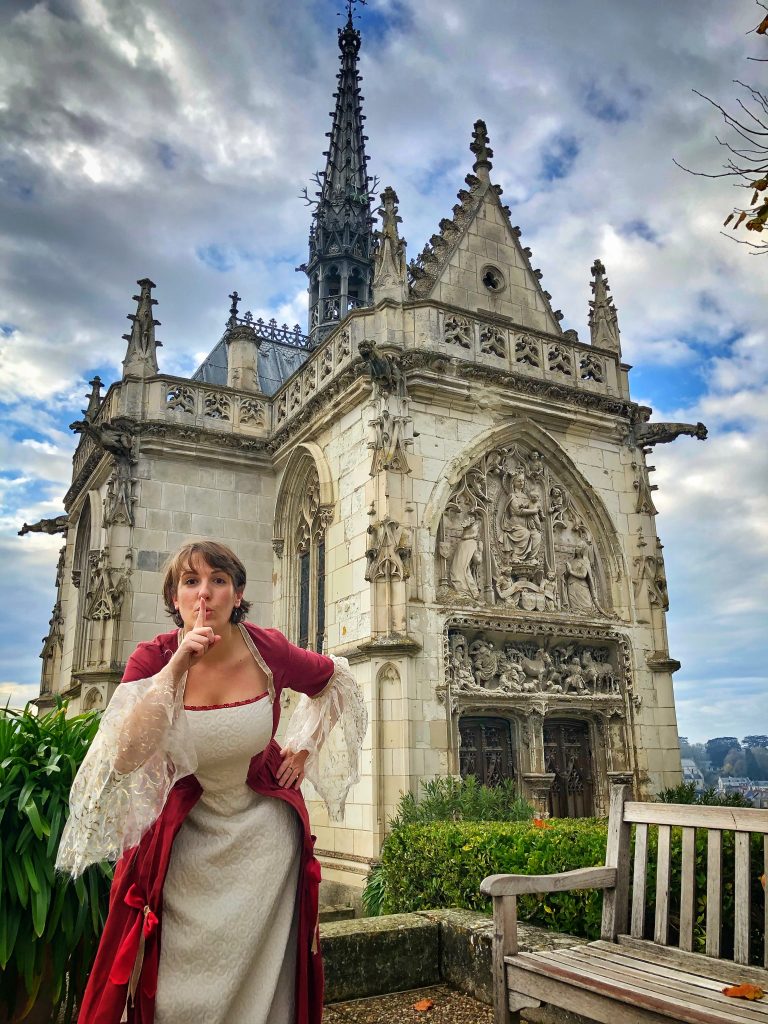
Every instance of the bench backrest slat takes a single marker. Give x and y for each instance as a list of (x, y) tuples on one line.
[(687, 888), (661, 925), (741, 899), (732, 819), (714, 891), (637, 926)]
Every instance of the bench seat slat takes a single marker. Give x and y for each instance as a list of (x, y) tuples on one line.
[(696, 963), (637, 925), (668, 985), (689, 1010)]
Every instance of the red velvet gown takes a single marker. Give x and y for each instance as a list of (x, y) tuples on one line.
[(136, 899)]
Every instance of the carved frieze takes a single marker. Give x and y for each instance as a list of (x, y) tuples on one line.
[(253, 411), (527, 351), (458, 330), (493, 341), (511, 535), (217, 405)]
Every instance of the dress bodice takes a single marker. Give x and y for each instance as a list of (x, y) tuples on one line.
[(225, 739)]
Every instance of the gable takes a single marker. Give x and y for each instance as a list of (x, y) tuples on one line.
[(479, 238)]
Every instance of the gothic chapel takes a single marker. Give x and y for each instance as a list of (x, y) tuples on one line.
[(435, 481)]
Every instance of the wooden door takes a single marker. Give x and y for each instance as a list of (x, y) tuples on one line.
[(486, 750), (567, 753)]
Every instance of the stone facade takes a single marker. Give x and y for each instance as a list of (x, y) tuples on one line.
[(443, 486)]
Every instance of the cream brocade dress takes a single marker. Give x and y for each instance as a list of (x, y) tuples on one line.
[(228, 949)]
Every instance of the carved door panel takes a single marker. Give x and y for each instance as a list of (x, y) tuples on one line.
[(486, 750), (567, 753)]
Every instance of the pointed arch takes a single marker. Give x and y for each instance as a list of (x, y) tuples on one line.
[(525, 432), (303, 511)]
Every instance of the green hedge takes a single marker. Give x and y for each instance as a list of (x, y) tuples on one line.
[(430, 866), (425, 867)]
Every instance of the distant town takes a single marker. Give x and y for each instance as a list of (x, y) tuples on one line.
[(728, 766)]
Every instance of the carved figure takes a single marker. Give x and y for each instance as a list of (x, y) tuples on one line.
[(573, 678), (115, 438), (384, 372), (485, 662), (521, 522), (579, 583), (598, 673), (466, 558), (649, 434), (549, 590)]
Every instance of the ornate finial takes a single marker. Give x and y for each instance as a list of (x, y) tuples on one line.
[(351, 7), (480, 146), (233, 308), (94, 399), (141, 356), (603, 321)]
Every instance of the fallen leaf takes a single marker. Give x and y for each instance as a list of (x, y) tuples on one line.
[(423, 1004), (762, 881), (541, 823), (745, 991)]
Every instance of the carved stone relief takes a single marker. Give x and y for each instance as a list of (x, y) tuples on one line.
[(119, 501), (253, 411), (108, 587), (180, 397), (493, 341), (457, 330), (217, 405), (512, 536), (569, 668), (527, 351)]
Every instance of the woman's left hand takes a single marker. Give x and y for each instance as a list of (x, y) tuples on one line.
[(290, 774)]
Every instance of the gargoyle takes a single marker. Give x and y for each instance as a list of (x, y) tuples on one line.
[(385, 374), (648, 434), (115, 438), (57, 525)]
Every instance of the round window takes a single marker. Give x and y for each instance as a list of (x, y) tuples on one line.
[(493, 279)]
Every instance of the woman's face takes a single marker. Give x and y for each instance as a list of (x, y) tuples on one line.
[(200, 580)]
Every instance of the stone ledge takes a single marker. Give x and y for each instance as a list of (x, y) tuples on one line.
[(375, 955)]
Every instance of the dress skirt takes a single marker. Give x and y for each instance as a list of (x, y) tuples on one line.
[(230, 924)]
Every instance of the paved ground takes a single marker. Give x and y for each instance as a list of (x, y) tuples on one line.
[(449, 1007)]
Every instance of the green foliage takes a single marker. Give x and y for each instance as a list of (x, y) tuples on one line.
[(450, 799), (373, 894), (49, 925), (685, 793), (442, 865)]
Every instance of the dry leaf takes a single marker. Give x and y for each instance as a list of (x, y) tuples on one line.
[(762, 28), (762, 881), (728, 219), (542, 823), (742, 216), (423, 1004), (744, 992)]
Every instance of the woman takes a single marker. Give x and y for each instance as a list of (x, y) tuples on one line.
[(186, 786)]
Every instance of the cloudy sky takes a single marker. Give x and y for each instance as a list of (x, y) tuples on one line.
[(171, 140)]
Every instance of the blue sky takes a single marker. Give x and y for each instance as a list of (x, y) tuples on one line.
[(172, 140)]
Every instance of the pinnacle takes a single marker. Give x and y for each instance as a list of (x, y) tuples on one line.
[(481, 147)]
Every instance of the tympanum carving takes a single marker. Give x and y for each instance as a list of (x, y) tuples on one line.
[(512, 536)]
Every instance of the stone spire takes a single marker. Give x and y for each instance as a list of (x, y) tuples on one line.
[(389, 281), (141, 356), (341, 236), (603, 322)]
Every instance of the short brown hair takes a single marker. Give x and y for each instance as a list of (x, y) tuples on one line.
[(218, 556)]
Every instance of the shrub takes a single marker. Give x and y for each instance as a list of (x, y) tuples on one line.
[(451, 799), (685, 793), (50, 925), (426, 867)]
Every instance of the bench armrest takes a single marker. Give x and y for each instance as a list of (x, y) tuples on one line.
[(581, 878)]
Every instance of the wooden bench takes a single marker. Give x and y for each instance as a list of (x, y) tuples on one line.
[(625, 978)]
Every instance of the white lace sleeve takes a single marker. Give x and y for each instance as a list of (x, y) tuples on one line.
[(333, 765), (143, 747)]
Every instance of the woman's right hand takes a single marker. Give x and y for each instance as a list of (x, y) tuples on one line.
[(196, 643)]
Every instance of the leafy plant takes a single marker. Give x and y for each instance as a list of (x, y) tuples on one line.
[(49, 924), (451, 799), (685, 793), (447, 799)]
